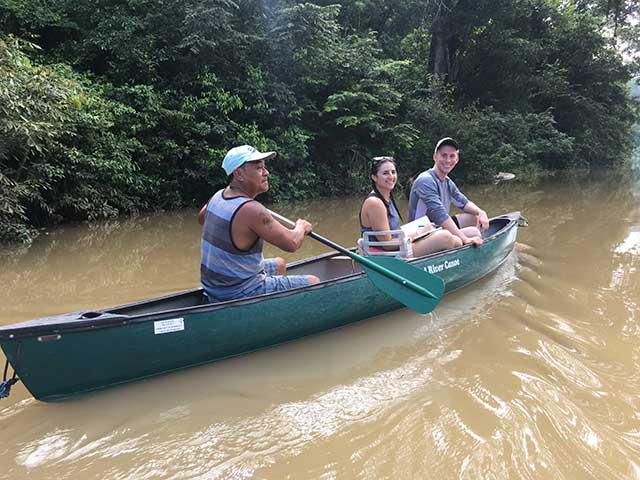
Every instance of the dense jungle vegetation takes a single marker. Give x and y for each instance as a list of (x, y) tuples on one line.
[(111, 107)]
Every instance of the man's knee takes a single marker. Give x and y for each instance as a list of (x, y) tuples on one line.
[(467, 220), (281, 265), (449, 239), (454, 241), (471, 232), (312, 279)]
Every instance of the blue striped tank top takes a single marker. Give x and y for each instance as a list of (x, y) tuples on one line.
[(225, 270)]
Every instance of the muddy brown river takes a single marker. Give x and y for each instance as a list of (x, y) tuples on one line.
[(532, 372)]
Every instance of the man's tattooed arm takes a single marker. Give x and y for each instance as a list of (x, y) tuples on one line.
[(266, 219)]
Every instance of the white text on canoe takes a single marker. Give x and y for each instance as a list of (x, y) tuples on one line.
[(439, 267)]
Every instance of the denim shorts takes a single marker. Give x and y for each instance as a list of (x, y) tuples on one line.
[(270, 267), (277, 283)]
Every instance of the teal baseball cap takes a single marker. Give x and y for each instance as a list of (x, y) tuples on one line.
[(238, 156)]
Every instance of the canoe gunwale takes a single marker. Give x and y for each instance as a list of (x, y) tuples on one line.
[(76, 322), (513, 219), (53, 325)]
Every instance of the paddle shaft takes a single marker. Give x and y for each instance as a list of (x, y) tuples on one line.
[(362, 260)]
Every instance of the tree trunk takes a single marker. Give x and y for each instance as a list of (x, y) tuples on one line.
[(442, 48)]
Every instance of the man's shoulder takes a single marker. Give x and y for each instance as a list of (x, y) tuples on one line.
[(425, 178), (250, 215), (250, 209), (450, 183), (216, 197), (424, 174)]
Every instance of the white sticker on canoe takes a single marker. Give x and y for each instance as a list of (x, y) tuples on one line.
[(446, 265), (168, 326)]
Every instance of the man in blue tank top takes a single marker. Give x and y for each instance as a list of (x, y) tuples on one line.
[(234, 228), (433, 192)]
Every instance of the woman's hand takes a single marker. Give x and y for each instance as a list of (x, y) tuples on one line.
[(422, 229), (426, 228)]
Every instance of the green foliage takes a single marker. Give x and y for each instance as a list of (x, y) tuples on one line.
[(32, 115), (28, 18), (132, 106), (512, 142), (62, 155), (14, 223), (563, 65)]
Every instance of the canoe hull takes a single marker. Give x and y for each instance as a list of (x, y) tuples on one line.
[(58, 360)]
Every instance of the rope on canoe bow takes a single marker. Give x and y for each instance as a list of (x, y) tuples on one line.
[(5, 385)]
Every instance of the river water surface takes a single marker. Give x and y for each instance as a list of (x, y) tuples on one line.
[(531, 372)]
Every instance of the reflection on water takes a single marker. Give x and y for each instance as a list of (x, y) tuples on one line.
[(631, 244), (531, 372)]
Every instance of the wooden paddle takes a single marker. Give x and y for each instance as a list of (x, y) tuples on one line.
[(417, 289)]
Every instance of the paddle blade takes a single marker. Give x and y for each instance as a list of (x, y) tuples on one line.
[(418, 301)]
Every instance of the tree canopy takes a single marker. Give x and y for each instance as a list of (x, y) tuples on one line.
[(110, 107)]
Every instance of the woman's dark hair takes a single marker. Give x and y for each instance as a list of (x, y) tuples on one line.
[(375, 168)]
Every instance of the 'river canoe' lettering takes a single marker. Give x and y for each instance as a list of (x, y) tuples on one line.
[(442, 266)]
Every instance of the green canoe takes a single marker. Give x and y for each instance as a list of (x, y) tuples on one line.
[(57, 357)]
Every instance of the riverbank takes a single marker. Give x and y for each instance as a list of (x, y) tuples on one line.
[(527, 179)]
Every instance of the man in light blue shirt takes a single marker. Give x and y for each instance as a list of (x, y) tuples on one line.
[(433, 192)]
